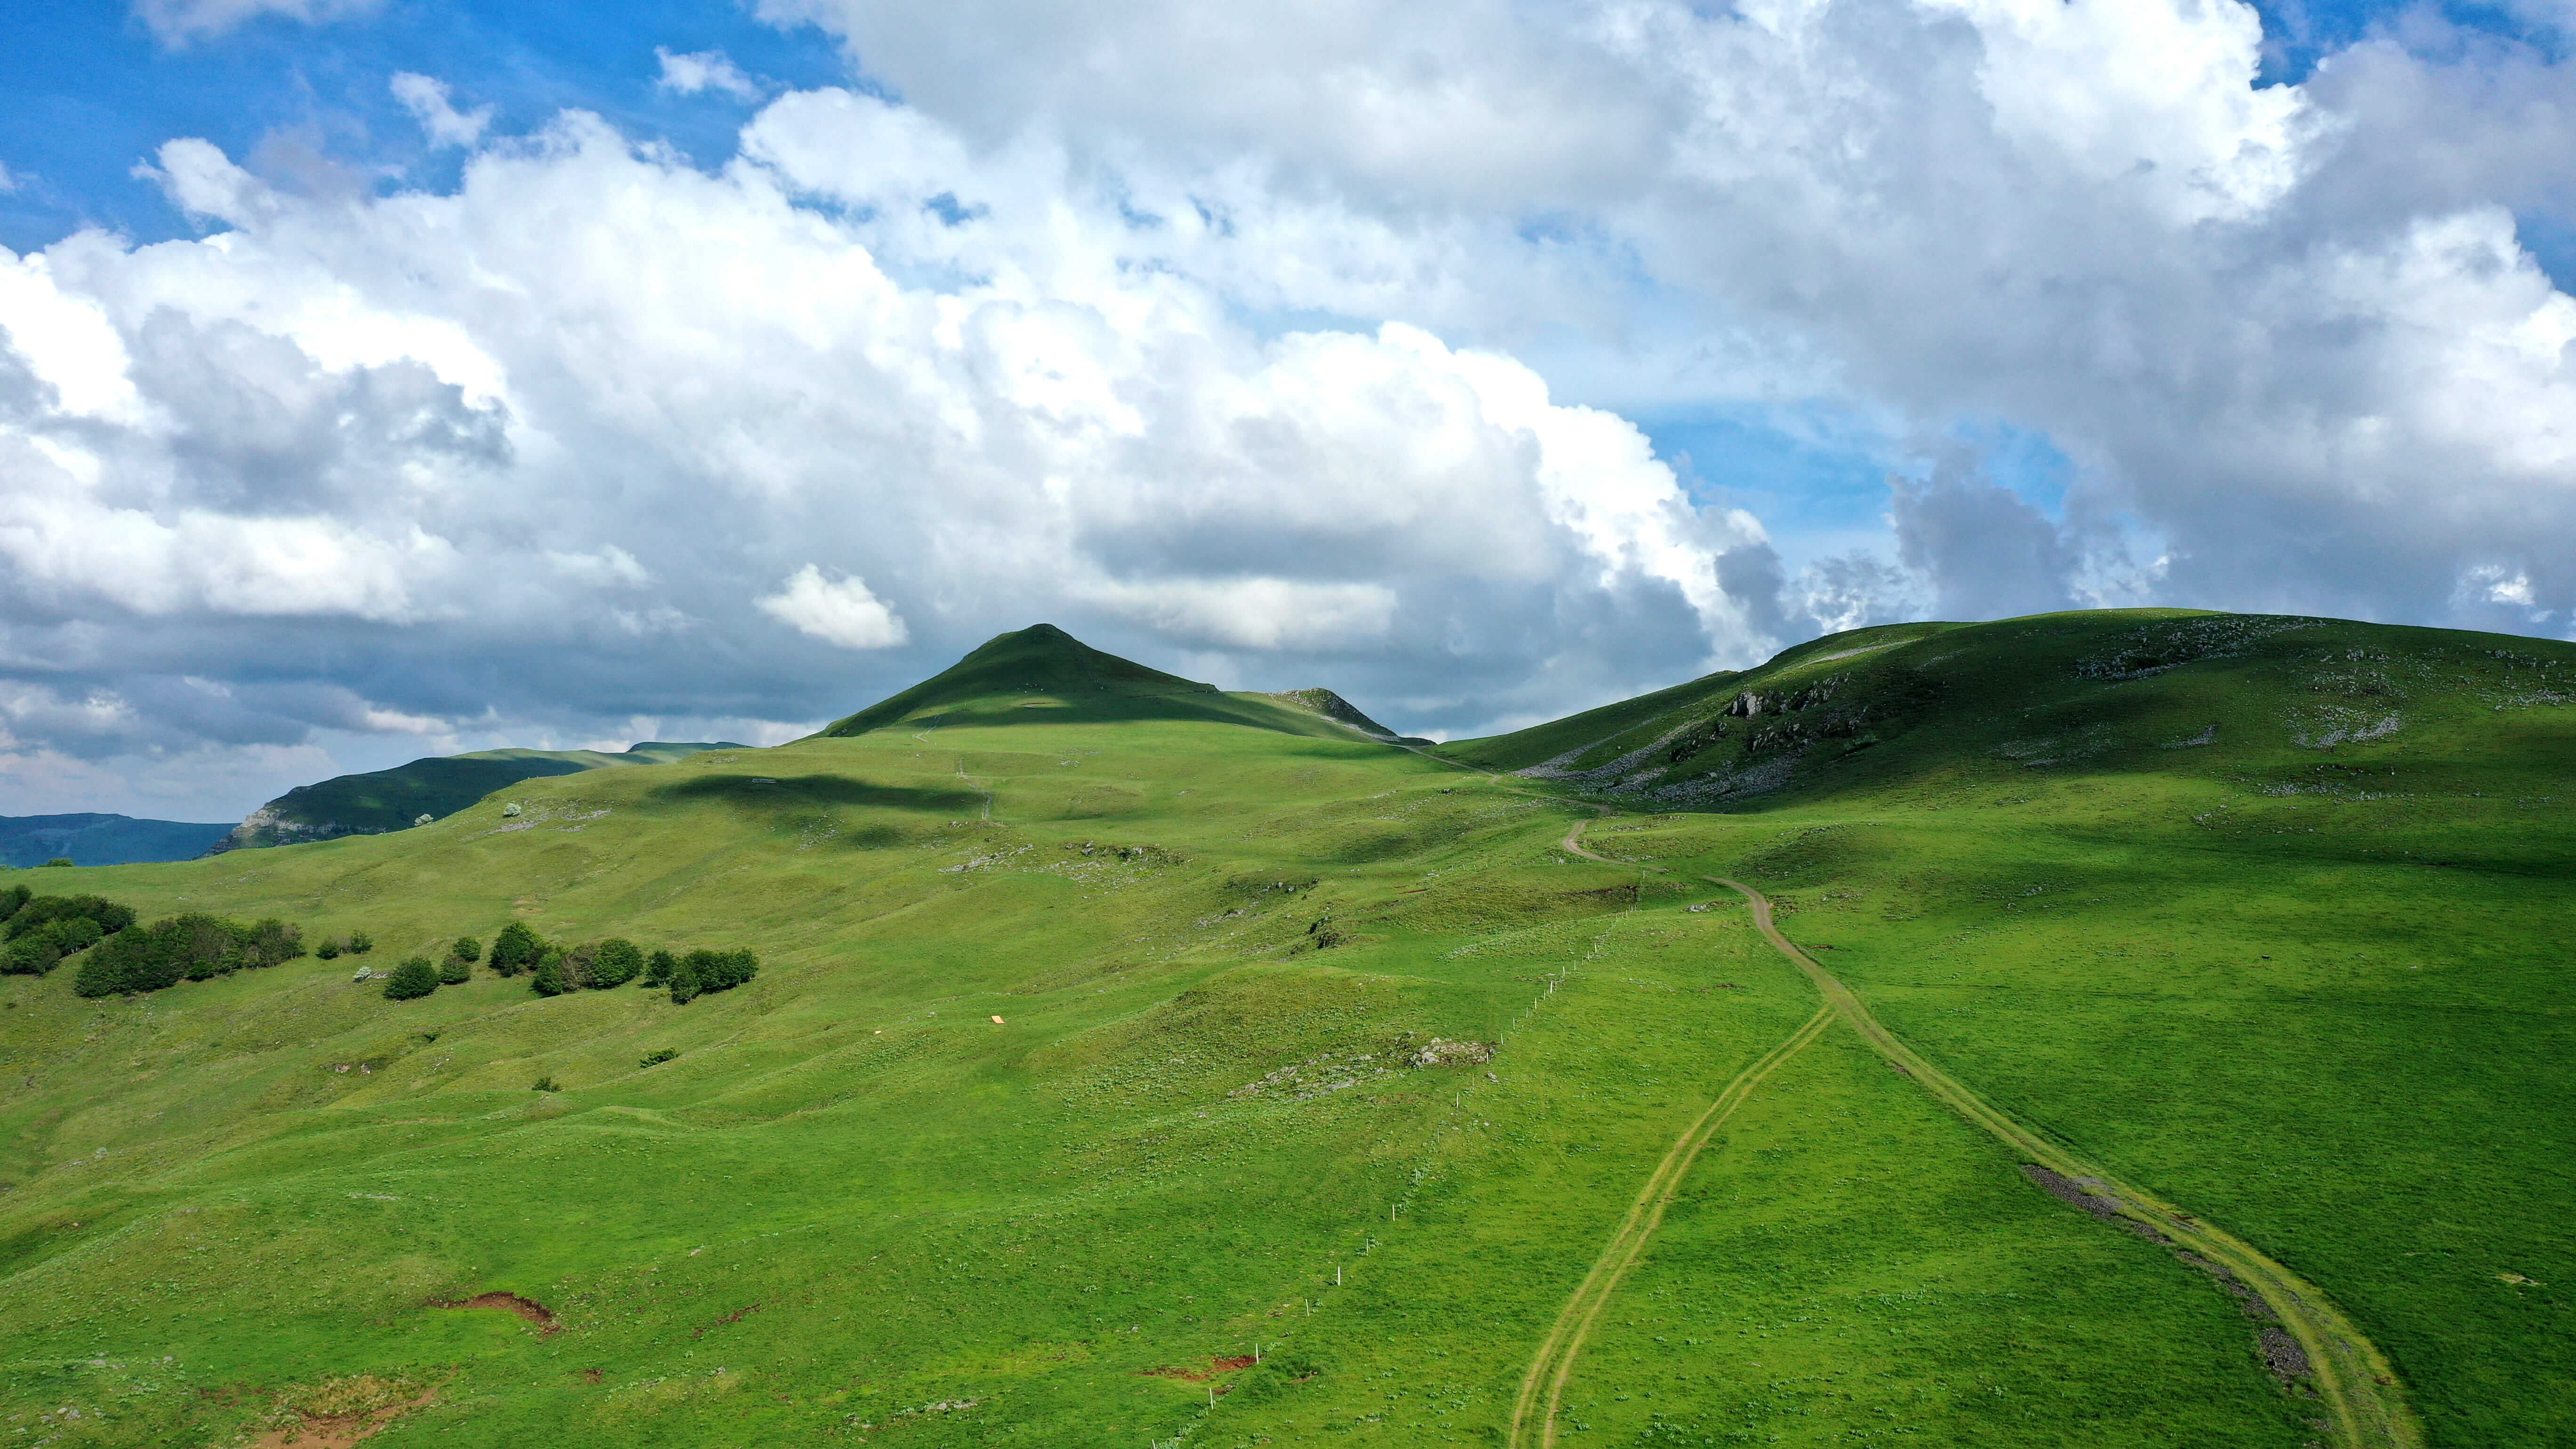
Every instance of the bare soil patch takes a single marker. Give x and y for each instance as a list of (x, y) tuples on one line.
[(1234, 1364), (527, 1308)]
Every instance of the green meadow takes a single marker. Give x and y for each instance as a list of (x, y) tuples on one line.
[(1131, 1063)]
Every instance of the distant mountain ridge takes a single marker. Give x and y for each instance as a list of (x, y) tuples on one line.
[(94, 839), (385, 800)]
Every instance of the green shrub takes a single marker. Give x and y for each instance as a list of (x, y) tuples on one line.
[(467, 949), (329, 950), (614, 962), (544, 1084), (43, 911), (551, 978), (516, 949), (189, 947), (702, 971), (11, 899), (60, 860), (658, 969), (360, 943), (33, 956), (77, 933), (655, 1059), (455, 972), (414, 978)]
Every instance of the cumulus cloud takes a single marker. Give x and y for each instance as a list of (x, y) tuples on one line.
[(2086, 217), (428, 101), (836, 611), (1985, 551), (178, 22), (704, 70)]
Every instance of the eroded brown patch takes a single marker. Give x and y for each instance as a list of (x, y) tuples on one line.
[(527, 1308), (1234, 1364), (734, 1317)]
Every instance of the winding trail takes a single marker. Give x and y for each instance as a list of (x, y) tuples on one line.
[(2354, 1382), (1556, 1354)]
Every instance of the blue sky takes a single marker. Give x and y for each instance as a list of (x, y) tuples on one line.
[(93, 92)]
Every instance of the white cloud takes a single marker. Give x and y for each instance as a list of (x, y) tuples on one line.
[(1257, 613), (428, 101), (177, 22), (836, 611), (704, 70)]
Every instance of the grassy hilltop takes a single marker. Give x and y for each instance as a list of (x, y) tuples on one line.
[(2263, 915)]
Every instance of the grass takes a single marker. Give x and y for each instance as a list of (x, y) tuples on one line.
[(852, 1206)]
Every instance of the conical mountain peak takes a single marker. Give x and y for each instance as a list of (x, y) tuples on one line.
[(1028, 675)]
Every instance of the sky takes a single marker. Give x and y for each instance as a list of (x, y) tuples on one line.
[(386, 378)]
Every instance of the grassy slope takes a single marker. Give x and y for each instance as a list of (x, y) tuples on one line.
[(854, 1194), (2314, 993)]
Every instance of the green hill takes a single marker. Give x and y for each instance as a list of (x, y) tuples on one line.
[(1042, 675), (1116, 1073), (93, 839), (437, 786)]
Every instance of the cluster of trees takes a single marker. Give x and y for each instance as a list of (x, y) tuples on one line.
[(358, 943), (554, 970), (699, 972), (37, 932), (191, 947), (416, 977)]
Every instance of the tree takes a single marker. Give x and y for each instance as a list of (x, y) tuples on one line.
[(704, 971), (658, 969), (329, 950), (516, 949), (413, 978), (33, 956), (60, 860), (13, 898), (453, 972), (614, 962), (550, 979), (360, 943), (467, 949)]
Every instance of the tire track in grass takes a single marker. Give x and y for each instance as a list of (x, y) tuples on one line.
[(2354, 1382), (1542, 1389), (1548, 1372)]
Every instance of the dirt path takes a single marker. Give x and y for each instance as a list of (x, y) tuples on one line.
[(1533, 1425), (2355, 1383), (1543, 1387)]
